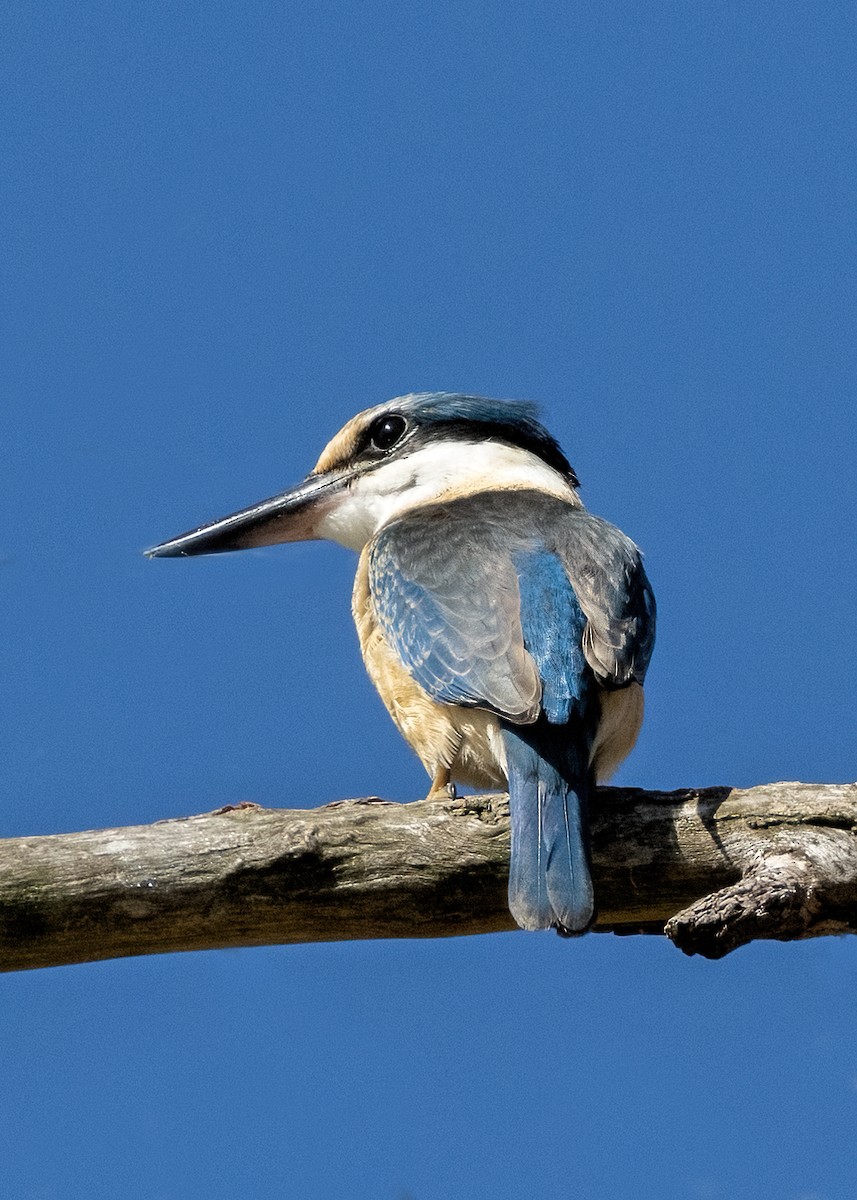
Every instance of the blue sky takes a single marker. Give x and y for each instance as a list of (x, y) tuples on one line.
[(226, 229)]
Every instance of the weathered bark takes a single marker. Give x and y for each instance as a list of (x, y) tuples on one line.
[(713, 868)]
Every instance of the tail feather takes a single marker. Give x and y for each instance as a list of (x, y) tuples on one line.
[(528, 888), (569, 880), (550, 884)]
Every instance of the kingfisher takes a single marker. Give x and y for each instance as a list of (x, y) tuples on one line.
[(507, 629)]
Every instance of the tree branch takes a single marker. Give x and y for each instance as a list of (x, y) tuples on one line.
[(719, 867)]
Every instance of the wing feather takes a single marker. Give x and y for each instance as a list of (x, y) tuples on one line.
[(495, 601), (453, 617)]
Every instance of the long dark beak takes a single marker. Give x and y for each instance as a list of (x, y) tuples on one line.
[(290, 517)]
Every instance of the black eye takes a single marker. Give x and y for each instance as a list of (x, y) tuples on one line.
[(384, 432)]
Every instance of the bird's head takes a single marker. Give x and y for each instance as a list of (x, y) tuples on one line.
[(414, 450)]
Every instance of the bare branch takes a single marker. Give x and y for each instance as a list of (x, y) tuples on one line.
[(718, 866)]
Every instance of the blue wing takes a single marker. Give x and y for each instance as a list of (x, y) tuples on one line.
[(548, 762), (453, 615)]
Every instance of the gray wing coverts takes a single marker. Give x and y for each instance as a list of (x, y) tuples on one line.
[(606, 572), (451, 610), (445, 589)]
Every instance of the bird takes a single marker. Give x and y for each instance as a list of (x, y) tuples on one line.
[(506, 629)]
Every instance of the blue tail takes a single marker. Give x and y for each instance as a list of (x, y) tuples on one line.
[(550, 883)]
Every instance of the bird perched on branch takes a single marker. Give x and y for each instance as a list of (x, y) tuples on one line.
[(506, 629)]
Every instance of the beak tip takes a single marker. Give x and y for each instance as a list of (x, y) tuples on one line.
[(163, 551), (207, 540)]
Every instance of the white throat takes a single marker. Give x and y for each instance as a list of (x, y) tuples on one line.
[(442, 471)]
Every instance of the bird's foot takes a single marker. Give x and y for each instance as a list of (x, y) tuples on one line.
[(442, 787), (446, 791)]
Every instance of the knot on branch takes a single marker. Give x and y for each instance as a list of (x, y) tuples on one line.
[(788, 890)]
